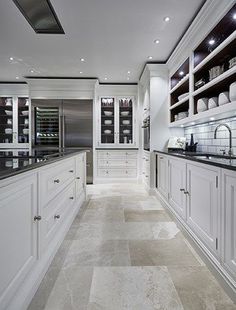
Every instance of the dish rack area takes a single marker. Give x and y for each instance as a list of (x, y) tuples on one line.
[(204, 86)]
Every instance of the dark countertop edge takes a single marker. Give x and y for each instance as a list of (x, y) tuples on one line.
[(202, 161), (28, 168), (117, 148)]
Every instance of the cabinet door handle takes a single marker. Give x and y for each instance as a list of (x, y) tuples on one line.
[(57, 216), (186, 192), (161, 157), (56, 181), (37, 218), (182, 189), (71, 171), (78, 178), (71, 198)]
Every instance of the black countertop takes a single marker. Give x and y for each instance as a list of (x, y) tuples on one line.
[(15, 161), (213, 159), (117, 148)]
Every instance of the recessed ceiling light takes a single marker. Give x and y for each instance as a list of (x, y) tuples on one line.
[(82, 59), (167, 19), (128, 72), (128, 78), (17, 77), (193, 123), (234, 16), (157, 41), (212, 118), (212, 42), (150, 57), (11, 58), (182, 126), (105, 78), (80, 72), (181, 73), (31, 71)]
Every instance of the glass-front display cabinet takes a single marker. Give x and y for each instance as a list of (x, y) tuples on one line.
[(14, 122), (116, 123)]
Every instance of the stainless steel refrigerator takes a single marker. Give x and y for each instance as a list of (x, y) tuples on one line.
[(64, 124)]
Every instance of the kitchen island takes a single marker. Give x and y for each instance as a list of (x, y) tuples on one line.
[(41, 192)]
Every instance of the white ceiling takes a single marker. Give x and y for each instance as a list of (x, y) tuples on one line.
[(114, 36)]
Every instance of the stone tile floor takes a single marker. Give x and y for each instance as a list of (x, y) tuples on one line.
[(124, 252)]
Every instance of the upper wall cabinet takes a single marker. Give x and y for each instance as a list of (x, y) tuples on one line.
[(14, 122), (212, 78), (117, 121)]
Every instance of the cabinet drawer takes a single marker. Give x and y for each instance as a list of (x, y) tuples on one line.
[(60, 207), (116, 163), (117, 173), (54, 179), (116, 154)]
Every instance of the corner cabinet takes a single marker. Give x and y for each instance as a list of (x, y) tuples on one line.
[(14, 122), (117, 121)]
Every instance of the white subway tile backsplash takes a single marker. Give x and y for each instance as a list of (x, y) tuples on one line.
[(204, 135)]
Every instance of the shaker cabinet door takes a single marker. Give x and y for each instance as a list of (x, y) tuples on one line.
[(177, 186), (19, 232), (163, 175), (203, 198), (229, 211)]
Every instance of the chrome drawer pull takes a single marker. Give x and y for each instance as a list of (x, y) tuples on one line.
[(78, 178), (57, 216), (71, 171), (56, 181), (182, 189), (186, 193), (37, 218), (71, 198)]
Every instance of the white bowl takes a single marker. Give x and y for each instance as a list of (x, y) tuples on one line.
[(126, 131), (9, 121), (223, 98), (124, 113), (182, 115), (232, 92), (26, 122), (107, 131), (213, 103), (8, 163), (125, 122), (25, 113), (108, 113), (8, 112), (183, 96), (8, 131), (25, 131), (108, 122), (202, 104)]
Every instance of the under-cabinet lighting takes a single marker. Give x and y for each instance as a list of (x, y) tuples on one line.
[(105, 78), (31, 71), (212, 42), (167, 19), (157, 41), (150, 57), (181, 73), (128, 72), (234, 16)]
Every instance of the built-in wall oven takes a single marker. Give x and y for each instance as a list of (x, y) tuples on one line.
[(146, 133)]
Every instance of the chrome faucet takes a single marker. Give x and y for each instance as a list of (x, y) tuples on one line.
[(230, 136)]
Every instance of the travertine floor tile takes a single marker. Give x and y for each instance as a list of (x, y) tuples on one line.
[(198, 289), (133, 288), (146, 216), (172, 252)]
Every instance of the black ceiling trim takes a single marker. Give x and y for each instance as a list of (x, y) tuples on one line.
[(118, 83), (43, 13), (6, 82), (149, 63), (59, 78)]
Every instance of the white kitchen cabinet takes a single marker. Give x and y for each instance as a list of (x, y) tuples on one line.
[(177, 186), (163, 175), (18, 233), (229, 220), (117, 164), (14, 122), (80, 174), (117, 121), (203, 197), (146, 168)]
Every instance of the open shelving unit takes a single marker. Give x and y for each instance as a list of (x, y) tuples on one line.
[(216, 53)]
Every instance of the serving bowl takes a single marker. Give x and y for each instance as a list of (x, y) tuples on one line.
[(126, 131), (124, 113), (108, 122), (108, 113), (8, 112), (107, 131), (126, 122), (25, 113), (183, 96), (25, 131), (8, 131)]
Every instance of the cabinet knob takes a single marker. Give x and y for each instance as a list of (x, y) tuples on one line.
[(56, 181), (37, 218), (161, 157), (71, 198), (71, 171), (182, 189), (186, 192), (57, 216), (78, 178)]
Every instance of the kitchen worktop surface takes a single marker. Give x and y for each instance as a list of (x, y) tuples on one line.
[(16, 161), (213, 159)]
